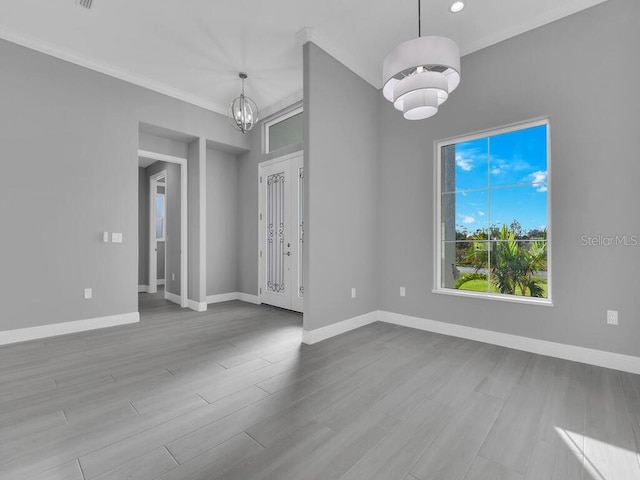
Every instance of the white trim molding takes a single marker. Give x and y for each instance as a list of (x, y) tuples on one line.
[(197, 306), (192, 304), (222, 297), (227, 297), (143, 288), (600, 358), (309, 337), (172, 297), (55, 329), (245, 297)]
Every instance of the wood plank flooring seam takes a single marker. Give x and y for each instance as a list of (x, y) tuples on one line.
[(134, 408), (81, 470), (171, 455), (254, 438)]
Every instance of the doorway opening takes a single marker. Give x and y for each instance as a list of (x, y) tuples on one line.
[(161, 238)]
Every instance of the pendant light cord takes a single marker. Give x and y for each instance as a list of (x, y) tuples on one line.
[(419, 21)]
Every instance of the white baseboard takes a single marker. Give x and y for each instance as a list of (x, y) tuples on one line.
[(53, 330), (226, 297), (222, 297), (245, 297), (600, 358), (309, 337), (192, 304), (160, 281), (197, 306), (143, 288), (172, 297)]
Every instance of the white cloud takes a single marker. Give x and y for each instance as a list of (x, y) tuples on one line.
[(465, 164), (481, 214), (468, 219), (496, 171), (539, 179), (539, 176)]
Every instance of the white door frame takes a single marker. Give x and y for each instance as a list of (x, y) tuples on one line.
[(184, 267), (261, 231), (153, 244)]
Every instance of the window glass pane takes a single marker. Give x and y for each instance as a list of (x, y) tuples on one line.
[(464, 214), (465, 165), (159, 205), (519, 157), (470, 270), (520, 209), (159, 228), (159, 217), (285, 133), (519, 267)]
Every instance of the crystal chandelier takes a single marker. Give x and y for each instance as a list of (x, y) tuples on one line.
[(243, 112), (419, 74)]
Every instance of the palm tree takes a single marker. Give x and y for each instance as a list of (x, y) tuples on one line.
[(512, 265)]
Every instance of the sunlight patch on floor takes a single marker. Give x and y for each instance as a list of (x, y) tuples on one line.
[(602, 460)]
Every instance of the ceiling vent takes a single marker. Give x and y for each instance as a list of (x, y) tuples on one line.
[(84, 3)]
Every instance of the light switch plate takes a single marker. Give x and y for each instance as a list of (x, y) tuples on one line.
[(116, 237), (105, 237), (88, 293)]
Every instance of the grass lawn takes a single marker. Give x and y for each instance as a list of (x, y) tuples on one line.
[(479, 285)]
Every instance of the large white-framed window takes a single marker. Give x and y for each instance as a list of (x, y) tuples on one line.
[(284, 130), (493, 235)]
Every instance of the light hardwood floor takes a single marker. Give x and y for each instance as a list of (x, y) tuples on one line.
[(232, 394)]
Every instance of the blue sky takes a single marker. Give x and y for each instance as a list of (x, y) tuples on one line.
[(514, 167)]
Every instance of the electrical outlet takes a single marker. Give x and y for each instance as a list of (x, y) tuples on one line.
[(173, 277), (402, 292), (105, 237), (353, 293), (88, 293), (612, 317)]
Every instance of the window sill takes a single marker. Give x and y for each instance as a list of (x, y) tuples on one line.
[(545, 302)]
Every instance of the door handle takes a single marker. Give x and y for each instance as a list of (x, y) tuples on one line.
[(288, 254)]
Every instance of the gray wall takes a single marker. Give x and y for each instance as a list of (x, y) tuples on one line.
[(69, 140), (222, 222), (167, 146), (341, 178), (583, 73)]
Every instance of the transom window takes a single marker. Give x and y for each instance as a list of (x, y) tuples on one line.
[(492, 214), (284, 131)]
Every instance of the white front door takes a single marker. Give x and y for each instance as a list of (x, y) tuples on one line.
[(282, 232)]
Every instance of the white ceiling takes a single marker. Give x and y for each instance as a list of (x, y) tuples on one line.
[(194, 49)]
